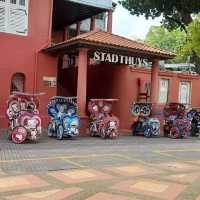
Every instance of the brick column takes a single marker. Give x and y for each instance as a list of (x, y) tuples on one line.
[(154, 83), (78, 28), (66, 33), (109, 22), (93, 23), (82, 88)]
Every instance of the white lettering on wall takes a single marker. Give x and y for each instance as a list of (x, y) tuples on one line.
[(116, 58)]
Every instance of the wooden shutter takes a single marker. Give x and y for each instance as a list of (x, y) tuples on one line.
[(18, 21), (2, 17)]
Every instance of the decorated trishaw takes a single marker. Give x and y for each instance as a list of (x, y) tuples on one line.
[(64, 119), (103, 122), (176, 123), (194, 116), (143, 124), (23, 115)]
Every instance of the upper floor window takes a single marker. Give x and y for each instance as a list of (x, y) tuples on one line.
[(13, 1), (14, 16)]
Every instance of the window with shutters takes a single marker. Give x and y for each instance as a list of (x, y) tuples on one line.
[(185, 92), (14, 16), (17, 83), (163, 90)]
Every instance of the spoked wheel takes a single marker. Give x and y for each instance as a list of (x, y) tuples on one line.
[(114, 134), (50, 130), (148, 133), (60, 132), (174, 133), (91, 129), (19, 135), (103, 133)]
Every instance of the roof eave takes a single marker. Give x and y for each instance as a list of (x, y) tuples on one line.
[(81, 42)]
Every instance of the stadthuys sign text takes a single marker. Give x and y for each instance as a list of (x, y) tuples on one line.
[(121, 59)]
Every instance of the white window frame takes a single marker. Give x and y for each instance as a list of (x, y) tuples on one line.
[(189, 93), (9, 7), (163, 98)]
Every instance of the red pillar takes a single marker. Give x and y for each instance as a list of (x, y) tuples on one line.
[(109, 22), (66, 33), (154, 83), (93, 23), (82, 88), (78, 28)]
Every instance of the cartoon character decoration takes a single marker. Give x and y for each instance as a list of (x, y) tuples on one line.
[(64, 119), (176, 125), (143, 124), (102, 121), (23, 115), (194, 116)]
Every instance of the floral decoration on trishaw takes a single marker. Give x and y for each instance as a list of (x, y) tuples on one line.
[(176, 123), (143, 123), (194, 116), (64, 119), (23, 115), (103, 122)]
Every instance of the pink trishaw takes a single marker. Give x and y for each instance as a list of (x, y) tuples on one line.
[(102, 121), (23, 115)]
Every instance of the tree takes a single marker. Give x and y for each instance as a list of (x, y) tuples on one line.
[(177, 41), (175, 13), (172, 41), (192, 45)]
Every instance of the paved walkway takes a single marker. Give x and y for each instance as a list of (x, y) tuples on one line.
[(130, 168)]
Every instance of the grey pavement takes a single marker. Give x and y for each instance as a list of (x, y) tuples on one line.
[(49, 154)]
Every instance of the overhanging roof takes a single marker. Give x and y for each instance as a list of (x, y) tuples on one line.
[(100, 40), (104, 4), (67, 12)]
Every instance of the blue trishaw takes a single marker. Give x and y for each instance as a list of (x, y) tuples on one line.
[(64, 119)]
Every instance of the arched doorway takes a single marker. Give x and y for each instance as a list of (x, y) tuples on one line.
[(17, 83)]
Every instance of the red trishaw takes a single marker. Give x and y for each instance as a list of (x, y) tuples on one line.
[(177, 125), (102, 121), (23, 115)]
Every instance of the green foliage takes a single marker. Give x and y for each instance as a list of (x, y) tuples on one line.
[(177, 41), (172, 41), (175, 13), (193, 37)]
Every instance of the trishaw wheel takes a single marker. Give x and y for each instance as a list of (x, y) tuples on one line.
[(174, 133), (19, 135), (60, 132), (103, 133), (114, 135), (147, 133), (50, 130)]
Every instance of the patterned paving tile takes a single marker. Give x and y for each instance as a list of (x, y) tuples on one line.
[(79, 176), (134, 170), (56, 194), (194, 162), (1, 173), (183, 178), (178, 167), (21, 182), (153, 188), (198, 198), (106, 196)]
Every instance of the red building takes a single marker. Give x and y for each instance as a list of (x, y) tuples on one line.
[(39, 52)]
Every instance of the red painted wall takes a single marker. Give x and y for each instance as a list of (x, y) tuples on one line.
[(112, 81), (20, 54)]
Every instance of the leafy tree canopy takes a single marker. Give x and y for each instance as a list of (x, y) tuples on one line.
[(177, 41), (172, 41), (176, 13)]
